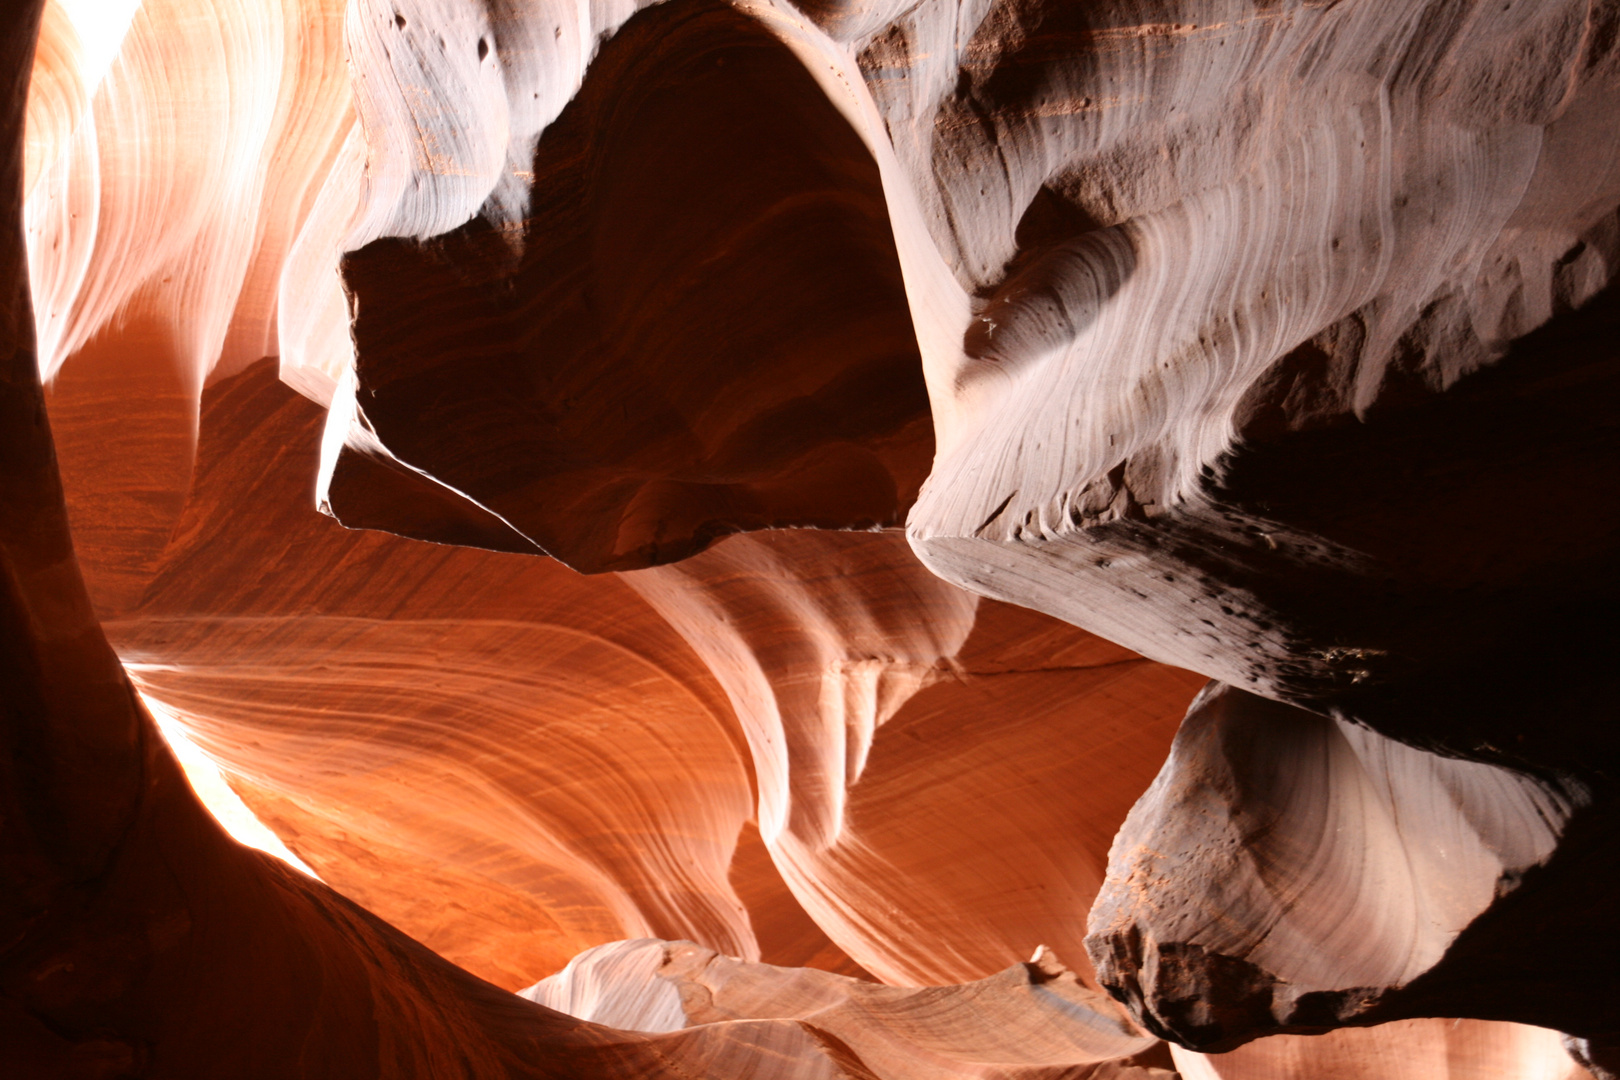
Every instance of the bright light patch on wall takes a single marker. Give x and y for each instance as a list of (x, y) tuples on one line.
[(226, 806), (101, 26)]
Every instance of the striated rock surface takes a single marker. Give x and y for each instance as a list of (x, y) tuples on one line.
[(1202, 291), (511, 761), (1238, 321), (686, 319), (1231, 418), (922, 855), (137, 938), (166, 191), (1274, 341), (514, 762)]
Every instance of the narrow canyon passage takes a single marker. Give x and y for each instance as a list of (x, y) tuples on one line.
[(1009, 539)]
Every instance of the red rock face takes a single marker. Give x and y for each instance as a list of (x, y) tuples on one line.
[(1264, 343)]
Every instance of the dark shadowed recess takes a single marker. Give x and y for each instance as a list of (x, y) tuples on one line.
[(705, 331), (1479, 621)]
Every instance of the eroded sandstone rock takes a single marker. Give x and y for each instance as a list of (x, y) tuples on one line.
[(1402, 1050), (135, 937), (1289, 872), (514, 762), (1031, 1020), (1272, 340), (1237, 419)]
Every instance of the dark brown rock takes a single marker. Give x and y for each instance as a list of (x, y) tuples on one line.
[(697, 328)]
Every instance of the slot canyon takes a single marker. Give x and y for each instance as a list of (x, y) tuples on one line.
[(810, 539)]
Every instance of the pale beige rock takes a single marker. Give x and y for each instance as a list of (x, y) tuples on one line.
[(1031, 1020), (1403, 1050), (1288, 872)]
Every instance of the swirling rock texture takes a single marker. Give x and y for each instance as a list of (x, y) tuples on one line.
[(138, 939), (1230, 333)]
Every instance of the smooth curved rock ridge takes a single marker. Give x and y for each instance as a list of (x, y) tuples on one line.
[(510, 761), (1177, 153), (176, 149), (1126, 242), (138, 937), (223, 804), (312, 311), (1274, 340), (1116, 144), (77, 44), (452, 100), (617, 984), (1162, 264), (1031, 1020), (818, 644), (867, 689), (454, 94), (1291, 872)]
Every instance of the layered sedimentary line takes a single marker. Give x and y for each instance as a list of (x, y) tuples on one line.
[(1377, 177), (514, 762), (136, 913), (1227, 398), (221, 128)]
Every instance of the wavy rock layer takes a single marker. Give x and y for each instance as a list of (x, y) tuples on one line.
[(138, 939), (1239, 333), (1159, 261), (511, 761), (515, 763), (166, 191), (868, 723), (1206, 294)]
